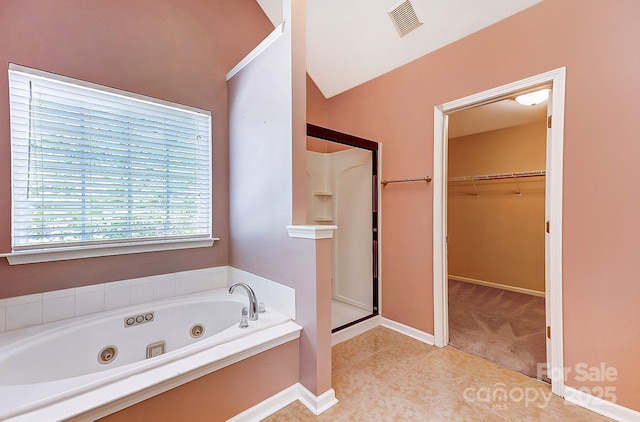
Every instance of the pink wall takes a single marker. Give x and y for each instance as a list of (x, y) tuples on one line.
[(324, 254), (316, 104), (267, 147), (598, 46), (316, 114), (222, 394), (177, 51)]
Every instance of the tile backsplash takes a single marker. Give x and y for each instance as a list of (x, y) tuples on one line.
[(29, 310), (273, 295)]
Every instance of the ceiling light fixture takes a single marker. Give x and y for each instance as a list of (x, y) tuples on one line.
[(533, 98)]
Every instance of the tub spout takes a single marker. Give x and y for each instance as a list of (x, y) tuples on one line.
[(253, 302)]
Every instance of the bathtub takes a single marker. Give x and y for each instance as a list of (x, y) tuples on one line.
[(67, 368)]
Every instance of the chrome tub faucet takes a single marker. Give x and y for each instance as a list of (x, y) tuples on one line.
[(253, 302)]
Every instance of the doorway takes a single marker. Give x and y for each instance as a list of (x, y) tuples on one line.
[(555, 80), (495, 231), (342, 190)]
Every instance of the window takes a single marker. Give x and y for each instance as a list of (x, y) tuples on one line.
[(92, 165)]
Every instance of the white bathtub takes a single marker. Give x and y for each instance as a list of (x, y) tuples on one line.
[(52, 371)]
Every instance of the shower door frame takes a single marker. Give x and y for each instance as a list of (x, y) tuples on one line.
[(366, 144)]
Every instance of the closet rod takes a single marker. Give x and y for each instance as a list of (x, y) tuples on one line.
[(499, 176), (419, 179)]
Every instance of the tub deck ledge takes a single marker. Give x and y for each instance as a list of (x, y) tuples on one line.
[(97, 397)]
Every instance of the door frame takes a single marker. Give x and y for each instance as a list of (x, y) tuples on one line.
[(553, 211), (366, 144)]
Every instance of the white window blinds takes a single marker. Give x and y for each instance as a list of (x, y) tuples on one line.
[(94, 165)]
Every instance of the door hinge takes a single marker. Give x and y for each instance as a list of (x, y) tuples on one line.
[(548, 331), (548, 227), (549, 122)]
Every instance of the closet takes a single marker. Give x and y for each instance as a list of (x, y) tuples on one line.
[(496, 207), (496, 249)]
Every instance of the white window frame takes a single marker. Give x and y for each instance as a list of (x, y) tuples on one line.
[(107, 248)]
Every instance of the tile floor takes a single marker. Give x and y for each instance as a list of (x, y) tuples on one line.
[(382, 375)]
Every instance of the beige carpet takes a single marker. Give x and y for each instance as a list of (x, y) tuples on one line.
[(504, 327)]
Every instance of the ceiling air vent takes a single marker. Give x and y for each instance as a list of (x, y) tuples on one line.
[(404, 17)]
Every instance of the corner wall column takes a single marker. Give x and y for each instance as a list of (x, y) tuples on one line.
[(315, 344)]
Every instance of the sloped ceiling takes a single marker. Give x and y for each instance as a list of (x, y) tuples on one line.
[(350, 42)]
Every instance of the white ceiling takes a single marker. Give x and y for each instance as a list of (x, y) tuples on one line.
[(350, 42), (492, 116)]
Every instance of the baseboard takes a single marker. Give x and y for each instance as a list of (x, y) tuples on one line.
[(598, 405), (408, 331), (297, 391), (376, 321), (498, 286), (318, 404), (356, 329), (269, 406)]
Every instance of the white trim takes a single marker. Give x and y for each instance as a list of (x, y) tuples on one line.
[(297, 391), (270, 39), (317, 404), (440, 292), (268, 406), (600, 406), (311, 232), (555, 164), (408, 331), (77, 252), (355, 330), (556, 78), (498, 286)]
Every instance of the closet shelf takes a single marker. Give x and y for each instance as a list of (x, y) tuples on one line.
[(496, 176), (513, 175)]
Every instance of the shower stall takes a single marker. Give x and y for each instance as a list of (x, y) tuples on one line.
[(342, 191)]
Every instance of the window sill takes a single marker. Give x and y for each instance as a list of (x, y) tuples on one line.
[(61, 254)]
